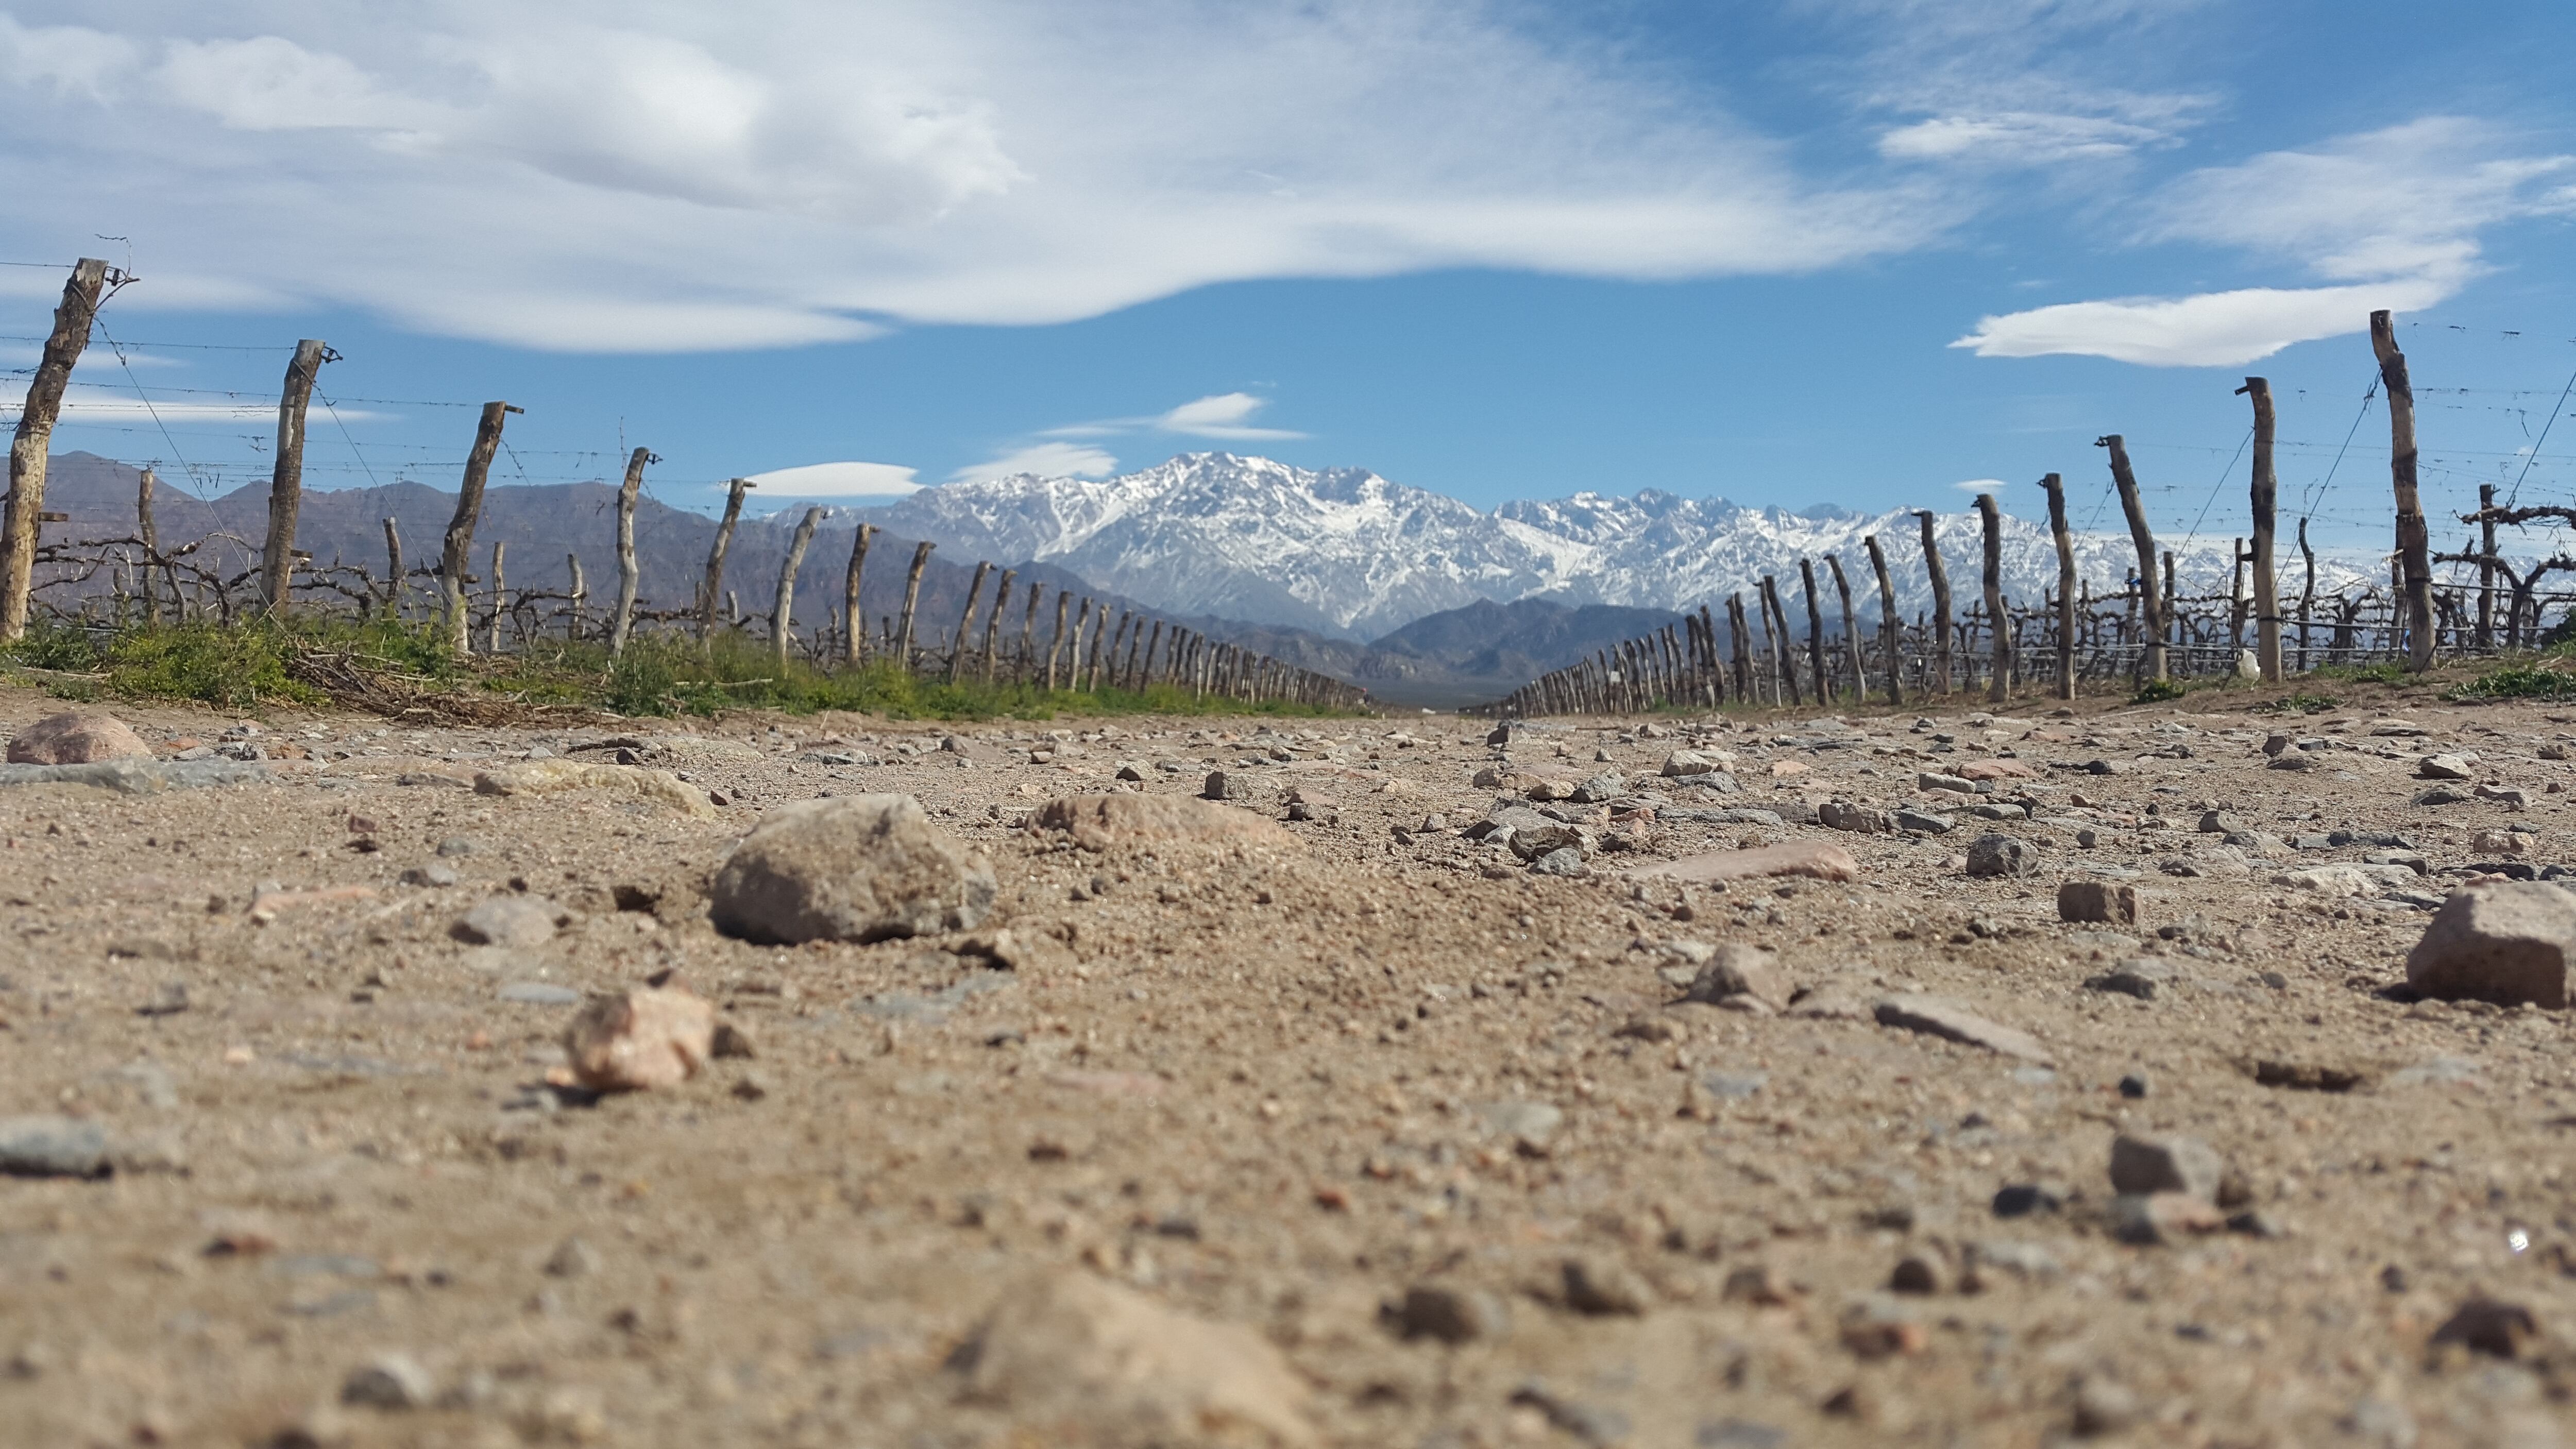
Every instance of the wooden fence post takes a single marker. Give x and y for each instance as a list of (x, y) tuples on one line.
[(711, 592), (492, 621), (1851, 630), (1999, 688), (1743, 667), (286, 483), (993, 624), (2414, 537), (1891, 632), (1784, 652), (1024, 663), (2143, 539), (2266, 496), (2055, 487), (394, 578), (1940, 601), (151, 535), (629, 577), (2236, 605), (782, 618), (579, 598), (911, 599), (2486, 565), (30, 451), (854, 648), (455, 561), (1815, 632), (966, 621), (1055, 643)]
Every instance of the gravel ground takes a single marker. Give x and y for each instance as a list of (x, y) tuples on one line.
[(1346, 1129)]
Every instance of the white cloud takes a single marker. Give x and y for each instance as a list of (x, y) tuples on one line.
[(2020, 138), (839, 480), (1981, 485), (2391, 217), (1049, 460), (588, 176), (1224, 415)]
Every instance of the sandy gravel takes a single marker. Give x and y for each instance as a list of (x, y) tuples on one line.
[(1265, 1087)]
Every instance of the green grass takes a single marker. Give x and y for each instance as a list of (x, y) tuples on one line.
[(2528, 680), (257, 661), (2158, 691), (2300, 704)]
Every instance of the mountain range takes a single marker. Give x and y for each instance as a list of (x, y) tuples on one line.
[(1350, 555)]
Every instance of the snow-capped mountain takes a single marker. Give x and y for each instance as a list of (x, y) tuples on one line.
[(1345, 552)]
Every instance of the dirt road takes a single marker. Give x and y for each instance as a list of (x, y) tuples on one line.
[(1368, 1107)]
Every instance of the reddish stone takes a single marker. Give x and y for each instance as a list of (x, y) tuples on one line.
[(76, 739)]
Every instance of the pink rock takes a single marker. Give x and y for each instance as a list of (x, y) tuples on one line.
[(648, 1037), (1812, 859), (74, 738)]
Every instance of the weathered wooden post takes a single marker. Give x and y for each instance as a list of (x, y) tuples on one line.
[(782, 619), (993, 624), (151, 536), (2143, 539), (966, 621), (29, 452), (1940, 601), (2486, 565), (394, 579), (286, 482), (911, 599), (1999, 687), (2055, 487), (2414, 537), (712, 590), (580, 596), (1055, 643), (1891, 632), (1023, 662), (492, 620), (1743, 666), (854, 649), (1099, 639), (1775, 623), (1815, 632), (1851, 630), (629, 578), (2266, 497), (456, 561), (1136, 645)]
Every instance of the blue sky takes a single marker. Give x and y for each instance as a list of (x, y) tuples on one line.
[(1496, 250)]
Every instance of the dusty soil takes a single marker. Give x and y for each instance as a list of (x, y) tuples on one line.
[(1277, 1085)]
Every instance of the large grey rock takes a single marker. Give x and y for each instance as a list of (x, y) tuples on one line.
[(850, 868), (2143, 1165), (2507, 942), (1996, 854), (1601, 789), (138, 776), (52, 1147), (75, 738), (1452, 1315), (2443, 767)]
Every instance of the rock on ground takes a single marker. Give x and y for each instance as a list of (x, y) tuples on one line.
[(1096, 1363), (849, 868), (648, 1037), (1936, 1016), (76, 738), (2505, 942)]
